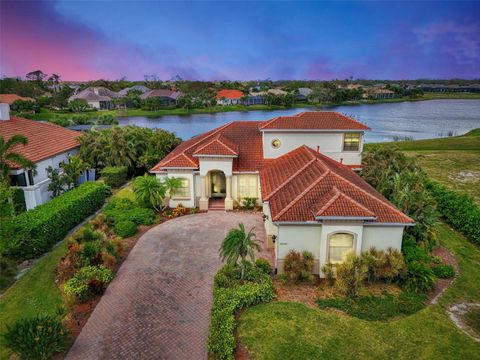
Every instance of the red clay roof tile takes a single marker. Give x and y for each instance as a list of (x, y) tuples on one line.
[(44, 139)]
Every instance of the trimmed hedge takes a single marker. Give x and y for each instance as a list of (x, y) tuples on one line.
[(125, 228), (115, 176), (34, 232), (226, 302), (460, 210)]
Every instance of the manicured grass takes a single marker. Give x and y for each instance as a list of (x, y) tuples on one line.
[(35, 293), (472, 319), (381, 307), (469, 141), (294, 331)]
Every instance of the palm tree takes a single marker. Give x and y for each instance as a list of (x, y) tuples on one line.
[(9, 156), (149, 191), (171, 184), (239, 245)]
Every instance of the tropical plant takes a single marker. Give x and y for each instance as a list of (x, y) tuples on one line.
[(8, 156), (57, 182), (72, 170), (171, 184), (36, 338), (298, 265), (78, 105), (239, 245), (350, 275), (149, 191)]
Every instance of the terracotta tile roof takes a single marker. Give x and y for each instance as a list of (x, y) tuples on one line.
[(44, 139), (314, 120), (11, 98), (242, 137), (229, 94), (303, 184), (220, 145)]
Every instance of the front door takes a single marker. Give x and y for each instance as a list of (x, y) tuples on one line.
[(218, 184)]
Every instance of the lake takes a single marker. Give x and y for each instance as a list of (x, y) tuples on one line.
[(417, 120)]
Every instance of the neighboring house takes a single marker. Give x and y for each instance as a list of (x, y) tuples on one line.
[(11, 98), (97, 97), (48, 145), (258, 98), (303, 94), (142, 88), (300, 169), (169, 97), (449, 88), (229, 97), (377, 94)]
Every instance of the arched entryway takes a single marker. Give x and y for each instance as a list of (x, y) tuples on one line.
[(218, 184)]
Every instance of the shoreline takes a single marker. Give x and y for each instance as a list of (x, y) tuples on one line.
[(46, 115)]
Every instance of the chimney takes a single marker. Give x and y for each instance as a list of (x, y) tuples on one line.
[(318, 148), (4, 112)]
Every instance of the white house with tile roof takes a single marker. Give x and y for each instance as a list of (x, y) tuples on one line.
[(301, 169)]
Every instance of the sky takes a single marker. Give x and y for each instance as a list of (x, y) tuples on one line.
[(231, 40)]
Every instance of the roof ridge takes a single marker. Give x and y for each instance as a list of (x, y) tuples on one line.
[(342, 194), (302, 194), (178, 155), (386, 203), (352, 119), (216, 138), (214, 132), (290, 179), (268, 122), (221, 142), (330, 201)]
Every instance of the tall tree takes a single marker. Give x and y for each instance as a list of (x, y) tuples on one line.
[(37, 76), (9, 156)]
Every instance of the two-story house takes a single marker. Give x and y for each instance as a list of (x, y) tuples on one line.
[(48, 145), (301, 170)]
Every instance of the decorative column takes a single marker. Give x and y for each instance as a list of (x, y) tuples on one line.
[(203, 205), (228, 199)]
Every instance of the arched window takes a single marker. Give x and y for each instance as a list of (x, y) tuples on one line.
[(339, 245)]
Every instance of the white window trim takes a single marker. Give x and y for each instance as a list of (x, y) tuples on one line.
[(181, 197), (329, 236)]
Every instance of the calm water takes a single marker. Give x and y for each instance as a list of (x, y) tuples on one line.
[(419, 120)]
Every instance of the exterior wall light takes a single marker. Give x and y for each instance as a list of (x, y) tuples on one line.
[(264, 217), (274, 238)]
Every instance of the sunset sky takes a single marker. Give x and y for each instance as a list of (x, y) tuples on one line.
[(84, 40)]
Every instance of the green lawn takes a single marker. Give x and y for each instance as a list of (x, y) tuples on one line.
[(453, 161), (35, 293), (293, 331)]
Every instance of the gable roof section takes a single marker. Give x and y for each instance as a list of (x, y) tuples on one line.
[(220, 145), (240, 137), (44, 139), (174, 95), (320, 187), (314, 120)]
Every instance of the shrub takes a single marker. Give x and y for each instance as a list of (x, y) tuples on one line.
[(109, 261), (413, 252), (227, 301), (249, 202), (88, 282), (298, 266), (8, 270), (329, 272), (115, 176), (32, 233), (125, 228), (264, 265), (418, 278), (123, 209), (350, 275), (90, 251), (443, 271), (383, 265), (460, 210), (36, 338)]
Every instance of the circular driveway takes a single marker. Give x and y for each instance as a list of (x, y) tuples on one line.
[(158, 305)]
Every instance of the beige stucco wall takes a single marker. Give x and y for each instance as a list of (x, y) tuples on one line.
[(186, 174), (330, 143), (216, 163), (382, 237)]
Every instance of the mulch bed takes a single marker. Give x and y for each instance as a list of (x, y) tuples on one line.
[(442, 284), (79, 313)]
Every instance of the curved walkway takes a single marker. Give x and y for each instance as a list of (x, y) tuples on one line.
[(158, 305)]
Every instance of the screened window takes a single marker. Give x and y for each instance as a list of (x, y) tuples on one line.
[(18, 180), (184, 190), (340, 244), (30, 177), (247, 186), (351, 142)]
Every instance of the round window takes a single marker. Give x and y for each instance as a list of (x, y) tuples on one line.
[(275, 143)]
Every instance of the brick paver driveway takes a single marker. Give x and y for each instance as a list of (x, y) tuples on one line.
[(158, 305)]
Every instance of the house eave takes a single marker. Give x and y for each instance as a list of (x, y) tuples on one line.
[(215, 156), (345, 218), (315, 130)]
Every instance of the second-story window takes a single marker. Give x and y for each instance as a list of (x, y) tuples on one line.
[(351, 142)]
